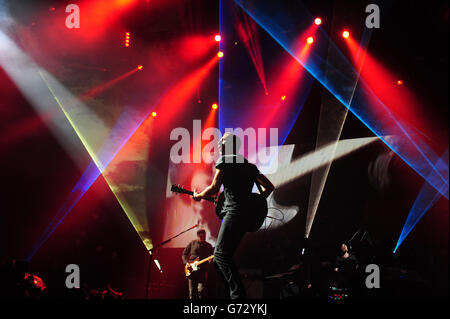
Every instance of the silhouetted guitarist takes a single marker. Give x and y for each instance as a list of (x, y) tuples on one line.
[(238, 177), (197, 250)]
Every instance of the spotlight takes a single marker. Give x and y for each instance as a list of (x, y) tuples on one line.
[(346, 34), (218, 38), (220, 54), (318, 21), (215, 106), (140, 67), (127, 39), (283, 97), (310, 40), (154, 114), (400, 82)]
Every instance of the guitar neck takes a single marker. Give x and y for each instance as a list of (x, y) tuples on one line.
[(181, 190), (188, 192), (210, 199), (205, 260)]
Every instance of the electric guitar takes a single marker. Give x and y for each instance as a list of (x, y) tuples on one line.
[(191, 267), (256, 211)]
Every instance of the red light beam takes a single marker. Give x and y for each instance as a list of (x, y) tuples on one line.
[(108, 84), (397, 98)]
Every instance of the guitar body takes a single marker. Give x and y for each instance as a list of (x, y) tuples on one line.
[(256, 210), (189, 268)]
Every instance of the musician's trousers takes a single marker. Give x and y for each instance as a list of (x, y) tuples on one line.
[(231, 232), (197, 285)]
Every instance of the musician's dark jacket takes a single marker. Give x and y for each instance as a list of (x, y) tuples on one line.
[(196, 249)]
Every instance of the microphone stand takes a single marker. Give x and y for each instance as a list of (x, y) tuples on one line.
[(151, 255)]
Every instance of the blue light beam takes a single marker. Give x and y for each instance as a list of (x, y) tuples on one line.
[(427, 197)]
